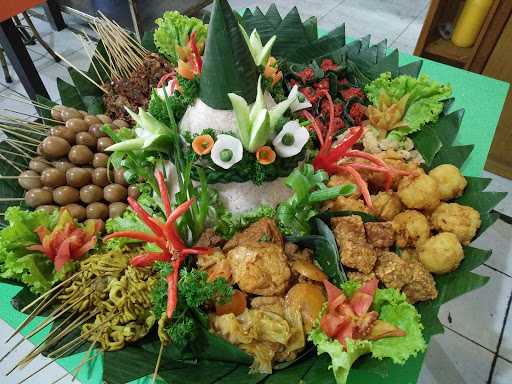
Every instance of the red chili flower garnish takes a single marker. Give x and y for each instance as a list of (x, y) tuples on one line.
[(351, 319), (67, 241), (351, 92), (306, 75), (329, 157), (328, 65), (358, 113), (165, 236)]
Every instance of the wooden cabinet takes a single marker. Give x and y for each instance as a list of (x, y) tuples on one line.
[(499, 66), (490, 56)]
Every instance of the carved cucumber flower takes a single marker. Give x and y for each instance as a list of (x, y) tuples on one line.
[(259, 53), (291, 139), (299, 100), (256, 124), (227, 151)]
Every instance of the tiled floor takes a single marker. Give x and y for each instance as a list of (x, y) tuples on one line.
[(477, 344)]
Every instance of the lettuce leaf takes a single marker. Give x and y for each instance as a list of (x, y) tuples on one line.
[(17, 263), (341, 361), (175, 29), (424, 103), (393, 307)]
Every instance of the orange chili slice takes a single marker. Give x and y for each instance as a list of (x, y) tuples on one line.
[(265, 155), (202, 145)]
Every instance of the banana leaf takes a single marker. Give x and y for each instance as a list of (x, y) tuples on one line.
[(69, 95)]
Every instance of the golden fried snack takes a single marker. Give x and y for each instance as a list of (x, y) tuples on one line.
[(386, 205), (419, 192), (441, 253), (411, 228), (422, 286), (342, 203), (450, 181), (392, 270), (409, 254), (461, 220), (264, 230)]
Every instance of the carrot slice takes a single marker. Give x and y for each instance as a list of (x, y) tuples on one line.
[(236, 306), (202, 145), (265, 155)]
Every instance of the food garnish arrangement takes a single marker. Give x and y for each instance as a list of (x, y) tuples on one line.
[(240, 201)]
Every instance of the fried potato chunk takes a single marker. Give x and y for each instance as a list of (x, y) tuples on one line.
[(419, 192), (461, 220), (380, 234), (386, 205), (441, 253), (264, 230), (392, 270), (355, 252), (411, 228), (450, 181), (260, 268), (422, 286)]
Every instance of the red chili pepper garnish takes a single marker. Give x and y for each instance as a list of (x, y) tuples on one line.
[(330, 157), (197, 56), (165, 236)]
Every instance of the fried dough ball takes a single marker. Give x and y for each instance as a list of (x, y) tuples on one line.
[(409, 254), (411, 228), (422, 286), (420, 192), (441, 253), (461, 220), (386, 205), (450, 181)]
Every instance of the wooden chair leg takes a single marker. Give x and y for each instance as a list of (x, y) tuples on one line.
[(3, 62), (38, 37)]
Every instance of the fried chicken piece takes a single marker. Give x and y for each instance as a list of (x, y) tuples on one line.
[(355, 252), (393, 271), (380, 234), (461, 220), (386, 205), (361, 277), (419, 192), (349, 228), (260, 268), (209, 238), (422, 286), (216, 265), (264, 230), (411, 228), (342, 203), (269, 303), (308, 300), (293, 252), (450, 181)]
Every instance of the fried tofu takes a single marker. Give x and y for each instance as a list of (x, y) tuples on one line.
[(264, 230), (422, 286), (380, 234), (392, 271), (361, 277), (349, 228), (355, 252)]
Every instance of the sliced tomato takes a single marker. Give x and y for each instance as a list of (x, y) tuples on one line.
[(332, 324)]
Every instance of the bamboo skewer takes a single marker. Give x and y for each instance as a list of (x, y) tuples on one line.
[(18, 177), (47, 293), (77, 369), (158, 360), (11, 163), (5, 151), (23, 99)]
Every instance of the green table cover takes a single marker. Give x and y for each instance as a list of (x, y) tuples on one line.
[(480, 96)]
